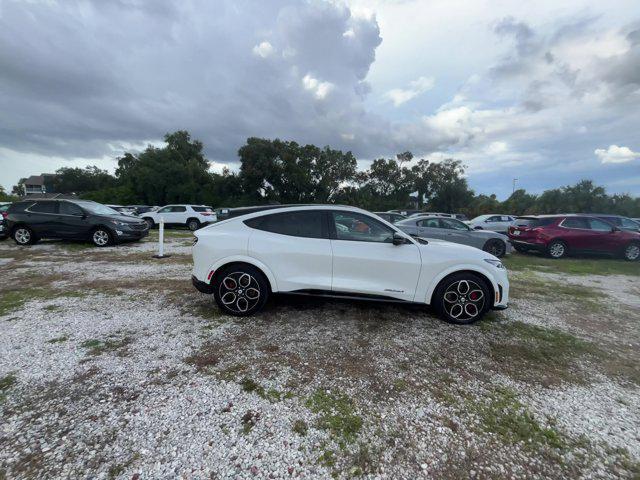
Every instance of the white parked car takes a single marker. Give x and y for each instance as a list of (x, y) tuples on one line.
[(493, 222), (192, 216), (342, 252)]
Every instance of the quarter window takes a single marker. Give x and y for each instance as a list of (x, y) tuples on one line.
[(43, 207), (307, 224), (361, 228)]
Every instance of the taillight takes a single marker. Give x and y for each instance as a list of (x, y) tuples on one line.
[(5, 214), (206, 214)]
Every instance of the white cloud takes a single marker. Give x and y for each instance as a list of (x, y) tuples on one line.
[(264, 49), (319, 89), (416, 87), (349, 33), (616, 154)]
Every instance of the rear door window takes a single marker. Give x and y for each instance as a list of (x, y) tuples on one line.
[(68, 208), (307, 224), (576, 222), (430, 223), (178, 209), (599, 225), (43, 207)]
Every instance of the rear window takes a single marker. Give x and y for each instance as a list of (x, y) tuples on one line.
[(534, 222), (308, 224), (202, 209)]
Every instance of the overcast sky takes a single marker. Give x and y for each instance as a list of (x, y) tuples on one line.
[(547, 91)]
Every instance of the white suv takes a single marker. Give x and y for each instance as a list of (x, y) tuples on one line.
[(192, 216), (342, 252), (495, 223)]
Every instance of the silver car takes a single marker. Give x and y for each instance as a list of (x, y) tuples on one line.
[(456, 231)]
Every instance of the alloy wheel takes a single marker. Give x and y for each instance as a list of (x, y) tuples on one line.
[(496, 248), (239, 292), (556, 250), (632, 252), (193, 225), (22, 236), (464, 300), (100, 238)]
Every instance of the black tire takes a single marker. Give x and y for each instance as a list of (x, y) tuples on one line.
[(231, 287), (101, 237), (631, 252), (454, 303), (520, 248), (495, 247), (23, 235), (193, 224), (150, 222), (557, 249)]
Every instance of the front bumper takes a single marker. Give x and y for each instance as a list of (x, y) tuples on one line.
[(201, 286), (131, 234)]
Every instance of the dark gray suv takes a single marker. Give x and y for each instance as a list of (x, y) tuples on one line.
[(31, 220)]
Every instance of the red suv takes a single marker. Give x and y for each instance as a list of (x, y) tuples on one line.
[(559, 235)]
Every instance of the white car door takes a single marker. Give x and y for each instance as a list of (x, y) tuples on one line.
[(365, 260), (164, 213), (296, 248)]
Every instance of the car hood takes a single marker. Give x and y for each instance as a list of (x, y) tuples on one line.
[(121, 218), (454, 248)]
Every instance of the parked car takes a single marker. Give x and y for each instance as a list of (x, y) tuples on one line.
[(123, 210), (493, 222), (455, 231), (623, 223), (140, 209), (561, 235), (390, 216), (191, 216), (4, 232), (405, 212), (341, 252), (31, 220)]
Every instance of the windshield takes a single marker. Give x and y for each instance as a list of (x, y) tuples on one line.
[(98, 208)]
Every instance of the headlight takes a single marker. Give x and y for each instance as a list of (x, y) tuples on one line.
[(119, 224), (495, 263)]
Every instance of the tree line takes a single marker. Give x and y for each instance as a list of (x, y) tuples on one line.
[(277, 171)]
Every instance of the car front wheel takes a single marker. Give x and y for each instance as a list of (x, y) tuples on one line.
[(240, 290), (150, 222), (557, 249), (495, 247), (101, 237), (462, 298), (24, 236), (632, 252)]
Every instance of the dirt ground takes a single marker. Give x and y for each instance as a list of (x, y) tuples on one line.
[(113, 366)]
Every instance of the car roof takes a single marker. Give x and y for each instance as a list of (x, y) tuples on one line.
[(251, 212)]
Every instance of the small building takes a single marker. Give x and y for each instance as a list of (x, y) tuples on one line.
[(38, 184)]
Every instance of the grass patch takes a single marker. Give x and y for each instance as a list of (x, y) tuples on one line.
[(573, 266), (540, 354), (206, 358), (11, 300), (336, 414), (6, 382), (271, 394), (300, 427), (62, 339), (504, 415), (98, 347)]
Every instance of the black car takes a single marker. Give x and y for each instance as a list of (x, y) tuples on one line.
[(31, 220)]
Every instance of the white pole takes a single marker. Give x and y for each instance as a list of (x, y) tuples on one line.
[(161, 239)]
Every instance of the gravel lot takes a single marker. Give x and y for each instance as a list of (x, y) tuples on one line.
[(113, 366)]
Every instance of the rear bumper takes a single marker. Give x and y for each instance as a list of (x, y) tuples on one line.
[(530, 245), (201, 286)]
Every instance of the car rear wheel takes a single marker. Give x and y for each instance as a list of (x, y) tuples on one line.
[(632, 252), (557, 249), (24, 236), (193, 224), (462, 298), (495, 247), (521, 249), (101, 237), (240, 290)]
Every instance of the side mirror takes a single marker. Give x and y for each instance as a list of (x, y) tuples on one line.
[(398, 239)]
